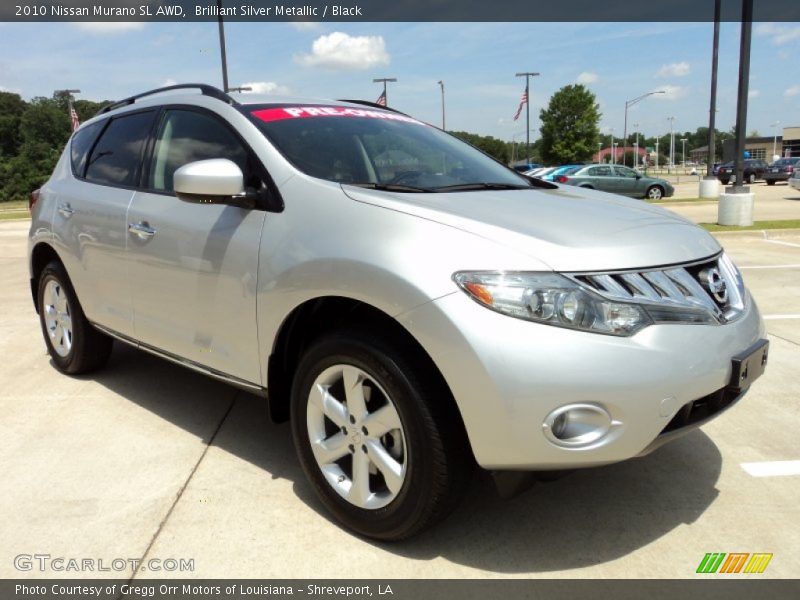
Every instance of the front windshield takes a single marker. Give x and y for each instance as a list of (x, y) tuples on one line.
[(380, 149)]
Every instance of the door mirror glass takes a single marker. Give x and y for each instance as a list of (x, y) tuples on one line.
[(212, 181)]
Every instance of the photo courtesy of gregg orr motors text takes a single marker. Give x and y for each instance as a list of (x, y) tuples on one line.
[(46, 563)]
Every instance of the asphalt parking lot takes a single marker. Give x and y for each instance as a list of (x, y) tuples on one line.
[(149, 460)]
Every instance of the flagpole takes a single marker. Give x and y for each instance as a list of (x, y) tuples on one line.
[(527, 75), (385, 80), (70, 108)]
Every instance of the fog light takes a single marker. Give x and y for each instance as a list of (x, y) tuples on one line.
[(576, 425)]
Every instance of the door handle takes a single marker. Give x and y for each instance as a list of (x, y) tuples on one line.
[(65, 210), (142, 230)]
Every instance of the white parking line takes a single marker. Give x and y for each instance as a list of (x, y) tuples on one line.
[(792, 244), (797, 266), (776, 468), (773, 317)]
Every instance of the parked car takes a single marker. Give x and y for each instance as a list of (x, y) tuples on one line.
[(794, 180), (562, 170), (541, 172), (618, 179), (522, 167), (781, 170), (412, 306), (754, 169)]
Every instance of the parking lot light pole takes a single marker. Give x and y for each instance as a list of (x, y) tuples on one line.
[(614, 153), (222, 54), (599, 150), (712, 111), (628, 104), (671, 142), (441, 84), (683, 151), (527, 75), (775, 139), (636, 144)]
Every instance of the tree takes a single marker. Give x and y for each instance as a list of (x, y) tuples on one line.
[(570, 129), (490, 145)]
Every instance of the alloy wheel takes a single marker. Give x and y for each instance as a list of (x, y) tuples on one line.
[(58, 319)]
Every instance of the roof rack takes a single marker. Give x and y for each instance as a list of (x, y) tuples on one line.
[(206, 90), (372, 105)]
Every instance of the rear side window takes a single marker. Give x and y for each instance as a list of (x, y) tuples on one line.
[(600, 172), (81, 144), (116, 156), (187, 136)]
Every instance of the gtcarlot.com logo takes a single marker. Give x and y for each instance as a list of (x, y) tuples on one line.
[(734, 562), (61, 564)]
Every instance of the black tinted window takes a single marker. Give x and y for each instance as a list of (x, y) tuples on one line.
[(81, 144), (187, 136), (116, 156)]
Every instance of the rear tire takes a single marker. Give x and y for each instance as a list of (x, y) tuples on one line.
[(770, 182), (378, 435), (73, 344)]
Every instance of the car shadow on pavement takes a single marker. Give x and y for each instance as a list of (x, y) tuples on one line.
[(586, 518)]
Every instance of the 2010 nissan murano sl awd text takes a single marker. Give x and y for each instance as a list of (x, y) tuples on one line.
[(411, 305)]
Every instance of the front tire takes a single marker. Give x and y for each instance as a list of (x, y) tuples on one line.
[(73, 344), (655, 193), (377, 435)]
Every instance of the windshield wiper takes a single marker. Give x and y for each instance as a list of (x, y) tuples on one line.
[(392, 187), (469, 187)]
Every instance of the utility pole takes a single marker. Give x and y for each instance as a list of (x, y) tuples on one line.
[(384, 81), (441, 84), (527, 75), (222, 54)]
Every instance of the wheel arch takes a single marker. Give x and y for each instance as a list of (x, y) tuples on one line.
[(41, 255), (319, 316)]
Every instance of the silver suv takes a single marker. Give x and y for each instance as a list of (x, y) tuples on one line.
[(413, 306)]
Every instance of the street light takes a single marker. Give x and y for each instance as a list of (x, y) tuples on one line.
[(671, 142), (614, 153), (775, 139), (441, 84), (683, 151), (636, 145), (222, 55), (628, 104), (599, 150), (611, 143)]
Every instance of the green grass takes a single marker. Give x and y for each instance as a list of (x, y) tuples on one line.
[(13, 205), (757, 225), (9, 215), (671, 200)]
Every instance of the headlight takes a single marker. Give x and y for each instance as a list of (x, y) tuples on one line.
[(553, 300)]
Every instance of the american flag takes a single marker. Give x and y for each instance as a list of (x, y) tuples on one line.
[(522, 103), (74, 116), (381, 101)]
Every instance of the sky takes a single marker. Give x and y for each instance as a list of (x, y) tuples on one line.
[(476, 61)]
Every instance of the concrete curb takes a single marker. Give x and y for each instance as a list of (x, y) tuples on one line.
[(757, 234)]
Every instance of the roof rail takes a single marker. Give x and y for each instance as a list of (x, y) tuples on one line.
[(372, 105), (206, 90)]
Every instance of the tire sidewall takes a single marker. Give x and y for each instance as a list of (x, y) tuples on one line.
[(651, 189), (54, 272), (379, 363)]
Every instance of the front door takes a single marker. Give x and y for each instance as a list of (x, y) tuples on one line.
[(193, 267)]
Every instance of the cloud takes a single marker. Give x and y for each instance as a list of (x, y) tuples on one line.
[(110, 27), (672, 92), (679, 69), (753, 93), (792, 91), (305, 25), (267, 87), (587, 77), (780, 34), (168, 82), (341, 51)]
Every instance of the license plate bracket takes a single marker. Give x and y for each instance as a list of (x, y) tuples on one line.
[(749, 365)]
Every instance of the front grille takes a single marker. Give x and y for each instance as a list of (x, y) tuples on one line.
[(703, 408), (711, 287)]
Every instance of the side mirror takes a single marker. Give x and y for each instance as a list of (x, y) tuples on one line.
[(213, 181)]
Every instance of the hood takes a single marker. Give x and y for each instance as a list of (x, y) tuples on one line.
[(569, 228)]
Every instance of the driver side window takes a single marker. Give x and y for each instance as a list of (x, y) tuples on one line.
[(186, 136)]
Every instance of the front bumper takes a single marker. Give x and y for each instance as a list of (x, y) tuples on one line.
[(507, 375)]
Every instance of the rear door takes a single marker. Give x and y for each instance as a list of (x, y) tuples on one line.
[(90, 219), (194, 277), (626, 181), (600, 178)]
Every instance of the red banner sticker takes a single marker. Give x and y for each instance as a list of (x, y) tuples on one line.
[(303, 112)]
